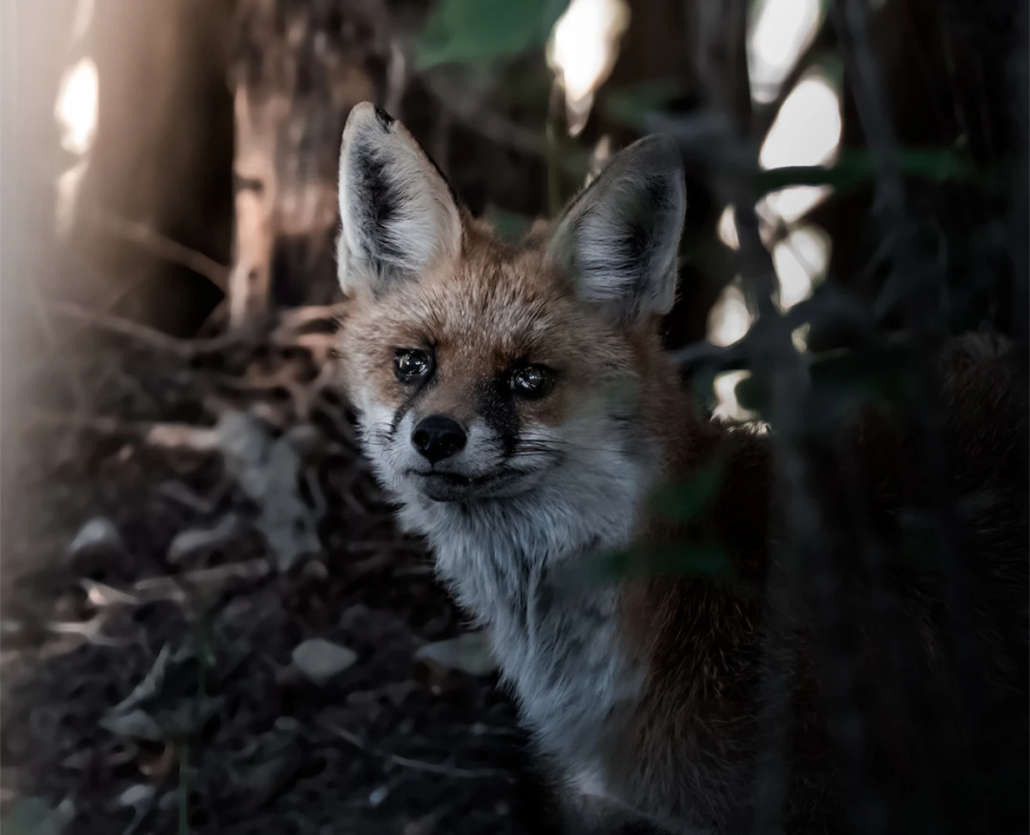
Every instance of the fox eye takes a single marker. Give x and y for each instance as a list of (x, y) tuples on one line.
[(532, 382), (410, 364)]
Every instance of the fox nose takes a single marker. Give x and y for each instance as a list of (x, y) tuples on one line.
[(438, 437)]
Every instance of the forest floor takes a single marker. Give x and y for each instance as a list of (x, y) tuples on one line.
[(170, 546)]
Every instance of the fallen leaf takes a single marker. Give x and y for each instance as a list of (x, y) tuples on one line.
[(267, 470), (168, 703), (136, 796), (189, 542), (268, 765), (320, 660), (469, 652), (34, 816), (96, 534)]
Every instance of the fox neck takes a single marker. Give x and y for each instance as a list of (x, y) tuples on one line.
[(554, 647)]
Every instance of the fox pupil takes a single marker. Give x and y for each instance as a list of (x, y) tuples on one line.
[(531, 382), (409, 364)]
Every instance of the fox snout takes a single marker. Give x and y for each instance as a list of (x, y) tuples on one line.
[(438, 437)]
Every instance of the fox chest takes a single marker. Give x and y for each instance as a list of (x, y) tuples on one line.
[(558, 649)]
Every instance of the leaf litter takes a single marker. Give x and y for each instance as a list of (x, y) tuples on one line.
[(256, 646)]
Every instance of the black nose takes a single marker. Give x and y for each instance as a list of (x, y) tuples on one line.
[(438, 437)]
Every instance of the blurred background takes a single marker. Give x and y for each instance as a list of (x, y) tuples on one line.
[(209, 621)]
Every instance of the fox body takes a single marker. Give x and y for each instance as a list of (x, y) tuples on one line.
[(515, 402)]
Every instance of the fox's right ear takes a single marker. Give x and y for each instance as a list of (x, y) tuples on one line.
[(399, 215), (619, 239)]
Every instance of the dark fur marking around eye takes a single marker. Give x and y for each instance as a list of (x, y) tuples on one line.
[(497, 406), (409, 402)]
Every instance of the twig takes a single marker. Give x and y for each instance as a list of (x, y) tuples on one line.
[(123, 327), (397, 77), (53, 342), (95, 423), (418, 765), (173, 587), (921, 304), (770, 347), (257, 121), (164, 247), (467, 108)]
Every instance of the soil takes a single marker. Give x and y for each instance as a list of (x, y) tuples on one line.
[(389, 745)]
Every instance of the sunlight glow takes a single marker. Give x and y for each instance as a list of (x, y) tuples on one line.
[(807, 131), (582, 52), (68, 184), (799, 336), (801, 260), (77, 105), (729, 318), (778, 36), (727, 406), (83, 18), (726, 228)]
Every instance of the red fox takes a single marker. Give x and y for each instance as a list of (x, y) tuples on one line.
[(515, 401)]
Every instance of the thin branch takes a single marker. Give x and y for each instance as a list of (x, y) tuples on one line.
[(53, 342), (473, 114), (398, 76), (123, 327), (922, 307), (418, 765), (164, 247), (94, 423)]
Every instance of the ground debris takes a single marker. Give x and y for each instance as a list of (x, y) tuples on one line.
[(469, 652), (97, 533), (320, 660), (187, 543), (170, 703), (209, 571)]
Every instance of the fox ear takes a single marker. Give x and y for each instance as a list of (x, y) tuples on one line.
[(619, 239), (399, 215)]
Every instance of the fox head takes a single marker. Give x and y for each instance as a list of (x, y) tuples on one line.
[(485, 370)]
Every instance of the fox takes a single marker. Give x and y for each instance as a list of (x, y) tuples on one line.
[(518, 407)]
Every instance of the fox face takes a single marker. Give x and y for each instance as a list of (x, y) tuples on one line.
[(484, 370)]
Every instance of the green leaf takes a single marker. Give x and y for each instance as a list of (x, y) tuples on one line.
[(700, 559), (842, 383), (633, 104), (856, 168), (683, 500), (464, 31), (34, 816), (509, 225)]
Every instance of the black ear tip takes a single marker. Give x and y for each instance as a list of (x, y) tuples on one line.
[(385, 119), (367, 116), (659, 150)]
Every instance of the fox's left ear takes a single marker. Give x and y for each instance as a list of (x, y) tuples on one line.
[(399, 215), (619, 239)]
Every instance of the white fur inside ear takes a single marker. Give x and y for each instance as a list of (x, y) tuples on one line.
[(399, 215), (619, 239)]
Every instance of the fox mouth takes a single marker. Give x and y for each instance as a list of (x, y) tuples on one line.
[(453, 487), (452, 478)]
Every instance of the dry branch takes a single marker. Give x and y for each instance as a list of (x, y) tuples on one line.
[(250, 281), (164, 247)]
